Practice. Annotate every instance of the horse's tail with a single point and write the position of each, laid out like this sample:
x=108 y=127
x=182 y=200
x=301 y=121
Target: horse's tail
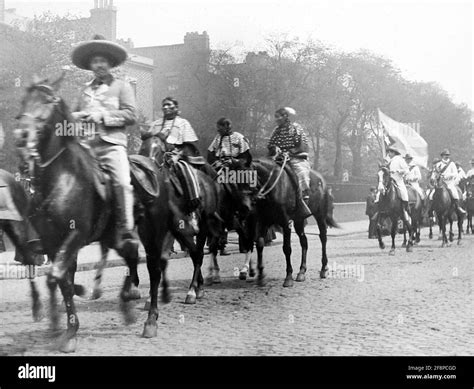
x=328 y=207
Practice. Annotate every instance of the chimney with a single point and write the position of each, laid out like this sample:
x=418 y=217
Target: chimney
x=104 y=19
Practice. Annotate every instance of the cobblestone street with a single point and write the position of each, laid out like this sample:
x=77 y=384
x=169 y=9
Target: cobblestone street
x=416 y=303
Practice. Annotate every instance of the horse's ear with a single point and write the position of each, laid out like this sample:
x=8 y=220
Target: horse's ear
x=57 y=84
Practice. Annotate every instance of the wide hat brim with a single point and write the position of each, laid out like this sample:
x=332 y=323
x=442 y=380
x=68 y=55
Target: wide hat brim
x=394 y=150
x=83 y=53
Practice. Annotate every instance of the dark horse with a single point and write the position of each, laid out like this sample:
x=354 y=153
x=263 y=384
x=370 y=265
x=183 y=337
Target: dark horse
x=445 y=209
x=69 y=211
x=390 y=205
x=469 y=185
x=165 y=218
x=16 y=230
x=276 y=204
x=416 y=206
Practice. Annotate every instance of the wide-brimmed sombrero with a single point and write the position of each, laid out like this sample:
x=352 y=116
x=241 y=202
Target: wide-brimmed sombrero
x=82 y=54
x=394 y=149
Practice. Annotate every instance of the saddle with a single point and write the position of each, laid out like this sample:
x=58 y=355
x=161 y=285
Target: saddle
x=144 y=174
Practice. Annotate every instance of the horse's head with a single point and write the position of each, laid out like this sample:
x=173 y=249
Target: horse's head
x=41 y=109
x=384 y=178
x=435 y=176
x=153 y=147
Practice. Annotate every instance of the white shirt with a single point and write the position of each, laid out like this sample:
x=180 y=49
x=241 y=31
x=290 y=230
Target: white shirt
x=398 y=167
x=450 y=174
x=414 y=174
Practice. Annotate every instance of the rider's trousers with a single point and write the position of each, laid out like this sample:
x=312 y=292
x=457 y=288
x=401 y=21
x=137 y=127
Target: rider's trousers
x=302 y=169
x=115 y=159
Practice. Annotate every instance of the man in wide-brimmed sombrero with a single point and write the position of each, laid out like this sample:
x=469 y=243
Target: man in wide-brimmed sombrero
x=449 y=174
x=109 y=103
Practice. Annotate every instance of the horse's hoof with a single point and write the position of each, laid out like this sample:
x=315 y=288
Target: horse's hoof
x=134 y=293
x=243 y=275
x=409 y=249
x=288 y=283
x=430 y=236
x=38 y=314
x=68 y=345
x=79 y=290
x=323 y=273
x=391 y=252
x=128 y=312
x=147 y=305
x=216 y=279
x=165 y=297
x=382 y=246
x=404 y=245
x=261 y=281
x=190 y=298
x=96 y=293
x=200 y=293
x=252 y=272
x=300 y=277
x=417 y=240
x=150 y=330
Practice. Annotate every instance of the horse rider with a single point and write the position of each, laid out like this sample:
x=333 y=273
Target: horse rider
x=398 y=169
x=431 y=189
x=289 y=138
x=449 y=174
x=470 y=172
x=460 y=178
x=414 y=176
x=228 y=149
x=180 y=139
x=109 y=103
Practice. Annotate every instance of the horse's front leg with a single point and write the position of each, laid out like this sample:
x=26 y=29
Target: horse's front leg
x=299 y=228
x=323 y=229
x=451 y=233
x=393 y=232
x=378 y=230
x=260 y=244
x=69 y=340
x=409 y=228
x=404 y=244
x=287 y=251
x=460 y=222
x=96 y=291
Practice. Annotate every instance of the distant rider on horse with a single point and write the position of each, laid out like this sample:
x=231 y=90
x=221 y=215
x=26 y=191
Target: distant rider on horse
x=470 y=172
x=398 y=169
x=449 y=174
x=229 y=147
x=413 y=177
x=109 y=103
x=289 y=138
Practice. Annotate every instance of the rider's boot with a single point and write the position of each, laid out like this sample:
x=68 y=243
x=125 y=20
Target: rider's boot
x=458 y=207
x=124 y=238
x=303 y=207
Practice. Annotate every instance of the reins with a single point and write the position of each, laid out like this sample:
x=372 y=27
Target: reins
x=263 y=190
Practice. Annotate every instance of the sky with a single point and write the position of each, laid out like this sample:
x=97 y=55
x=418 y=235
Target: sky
x=429 y=40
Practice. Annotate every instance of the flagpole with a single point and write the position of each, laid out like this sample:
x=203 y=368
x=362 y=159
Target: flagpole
x=380 y=134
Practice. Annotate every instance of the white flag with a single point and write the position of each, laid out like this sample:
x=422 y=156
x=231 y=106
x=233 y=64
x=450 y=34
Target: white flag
x=405 y=139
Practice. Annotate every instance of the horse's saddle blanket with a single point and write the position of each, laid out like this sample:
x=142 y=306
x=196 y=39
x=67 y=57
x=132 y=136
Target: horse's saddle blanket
x=184 y=178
